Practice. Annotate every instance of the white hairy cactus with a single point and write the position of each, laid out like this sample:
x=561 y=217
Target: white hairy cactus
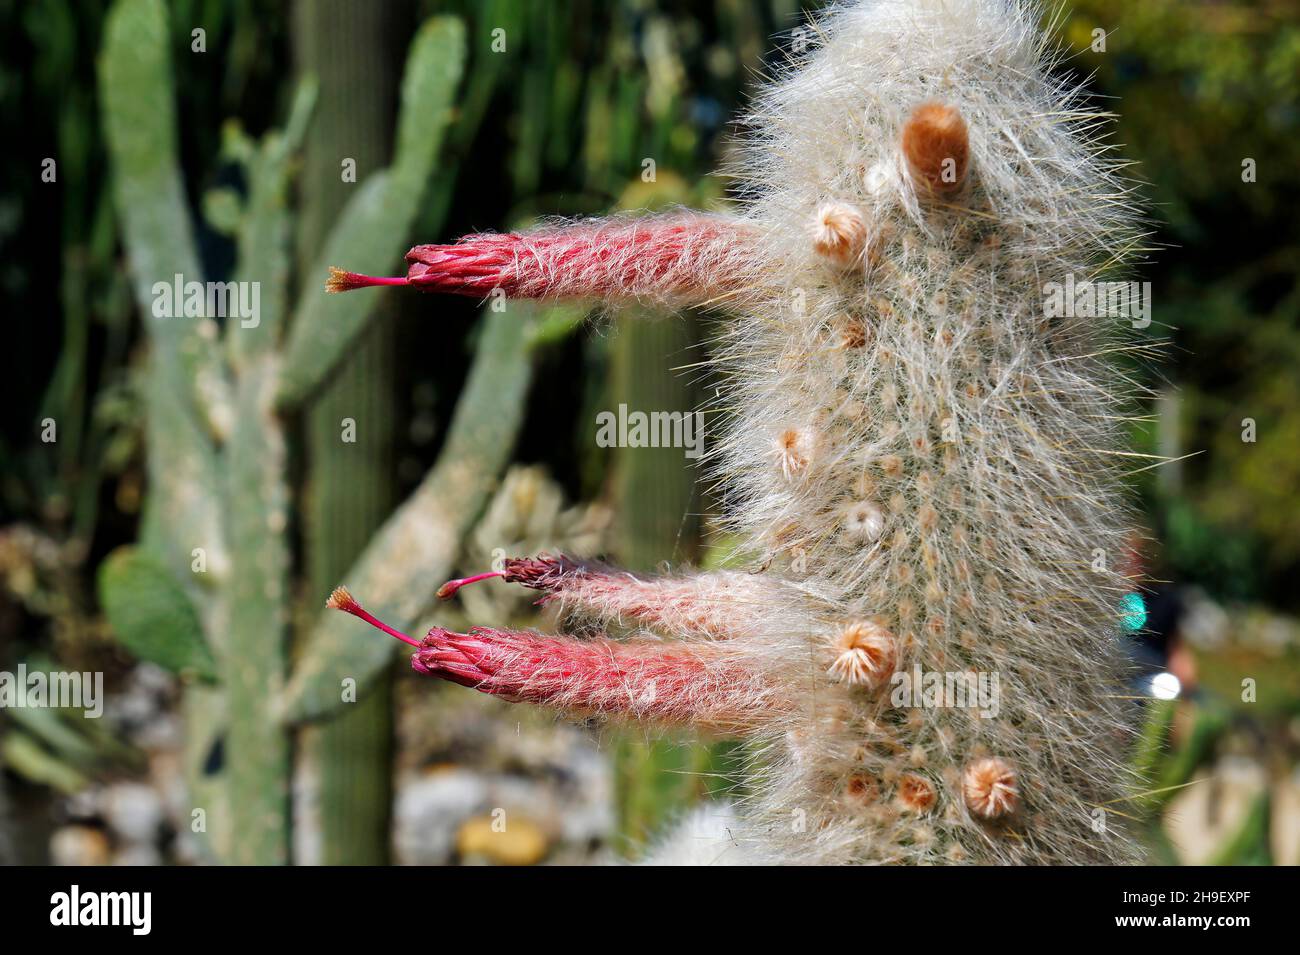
x=924 y=465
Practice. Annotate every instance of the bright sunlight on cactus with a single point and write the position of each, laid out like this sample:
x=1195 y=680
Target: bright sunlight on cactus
x=926 y=468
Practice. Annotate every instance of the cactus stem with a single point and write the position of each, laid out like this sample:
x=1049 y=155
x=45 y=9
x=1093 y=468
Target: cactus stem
x=448 y=590
x=341 y=599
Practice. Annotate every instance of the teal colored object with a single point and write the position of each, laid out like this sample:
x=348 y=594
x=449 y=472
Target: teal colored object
x=1132 y=612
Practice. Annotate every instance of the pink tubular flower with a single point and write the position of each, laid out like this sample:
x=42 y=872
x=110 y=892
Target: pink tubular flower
x=543 y=572
x=675 y=685
x=679 y=258
x=719 y=605
x=684 y=684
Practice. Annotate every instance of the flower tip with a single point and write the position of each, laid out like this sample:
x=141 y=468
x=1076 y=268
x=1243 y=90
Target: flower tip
x=449 y=589
x=341 y=599
x=341 y=280
x=338 y=281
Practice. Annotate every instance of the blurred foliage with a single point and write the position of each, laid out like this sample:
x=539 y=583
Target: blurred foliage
x=1206 y=91
x=152 y=615
x=1201 y=87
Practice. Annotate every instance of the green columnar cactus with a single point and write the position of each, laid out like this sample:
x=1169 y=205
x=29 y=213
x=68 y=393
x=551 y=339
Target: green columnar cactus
x=655 y=490
x=348 y=782
x=216 y=531
x=415 y=549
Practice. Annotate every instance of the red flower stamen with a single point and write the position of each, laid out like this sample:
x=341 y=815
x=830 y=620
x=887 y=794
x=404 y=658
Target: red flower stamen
x=341 y=599
x=448 y=590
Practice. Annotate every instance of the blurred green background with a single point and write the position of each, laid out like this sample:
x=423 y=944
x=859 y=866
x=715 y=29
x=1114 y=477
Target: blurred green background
x=211 y=137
